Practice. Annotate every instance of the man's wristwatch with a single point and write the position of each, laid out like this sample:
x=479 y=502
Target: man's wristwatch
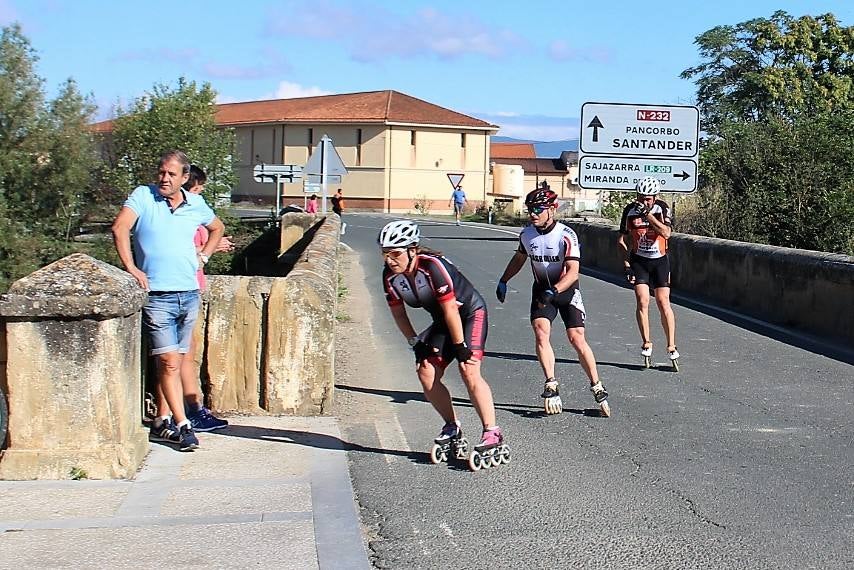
x=203 y=257
x=413 y=340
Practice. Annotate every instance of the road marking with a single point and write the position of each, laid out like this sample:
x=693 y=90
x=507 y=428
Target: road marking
x=391 y=437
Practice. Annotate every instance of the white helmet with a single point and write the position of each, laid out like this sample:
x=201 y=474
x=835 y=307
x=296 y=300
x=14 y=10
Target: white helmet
x=402 y=233
x=648 y=186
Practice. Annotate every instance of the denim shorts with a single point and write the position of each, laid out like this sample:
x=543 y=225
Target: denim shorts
x=169 y=318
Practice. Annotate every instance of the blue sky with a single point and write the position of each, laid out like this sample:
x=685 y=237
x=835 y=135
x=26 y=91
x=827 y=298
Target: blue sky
x=526 y=66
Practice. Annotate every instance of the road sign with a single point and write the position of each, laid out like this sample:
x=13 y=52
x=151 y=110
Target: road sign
x=455 y=179
x=325 y=160
x=639 y=130
x=272 y=173
x=623 y=172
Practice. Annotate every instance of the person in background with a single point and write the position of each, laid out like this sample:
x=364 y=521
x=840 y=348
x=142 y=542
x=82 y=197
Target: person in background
x=458 y=199
x=200 y=417
x=645 y=228
x=311 y=205
x=338 y=207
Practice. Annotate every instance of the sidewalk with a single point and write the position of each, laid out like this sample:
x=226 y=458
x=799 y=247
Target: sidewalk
x=267 y=492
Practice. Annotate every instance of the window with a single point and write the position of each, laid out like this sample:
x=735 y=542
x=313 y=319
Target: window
x=412 y=138
x=463 y=140
x=358 y=147
x=310 y=140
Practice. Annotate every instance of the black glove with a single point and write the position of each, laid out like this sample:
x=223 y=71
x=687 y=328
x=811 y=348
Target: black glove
x=630 y=275
x=463 y=352
x=547 y=296
x=501 y=291
x=641 y=209
x=422 y=351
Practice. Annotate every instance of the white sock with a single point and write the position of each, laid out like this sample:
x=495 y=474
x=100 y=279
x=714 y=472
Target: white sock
x=160 y=420
x=186 y=422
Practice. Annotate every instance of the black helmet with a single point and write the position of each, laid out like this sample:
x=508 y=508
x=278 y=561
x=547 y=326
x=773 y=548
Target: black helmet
x=541 y=197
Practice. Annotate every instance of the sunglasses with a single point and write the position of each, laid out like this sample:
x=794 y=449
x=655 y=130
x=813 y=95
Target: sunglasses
x=393 y=253
x=537 y=210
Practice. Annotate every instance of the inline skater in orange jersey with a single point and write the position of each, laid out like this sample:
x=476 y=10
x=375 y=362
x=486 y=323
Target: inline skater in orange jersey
x=646 y=223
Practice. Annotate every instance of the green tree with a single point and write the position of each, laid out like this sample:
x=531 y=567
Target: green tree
x=165 y=119
x=789 y=184
x=773 y=67
x=48 y=163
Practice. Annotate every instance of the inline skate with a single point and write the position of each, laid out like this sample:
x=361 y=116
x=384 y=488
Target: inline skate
x=450 y=441
x=551 y=397
x=646 y=353
x=490 y=452
x=601 y=397
x=674 y=358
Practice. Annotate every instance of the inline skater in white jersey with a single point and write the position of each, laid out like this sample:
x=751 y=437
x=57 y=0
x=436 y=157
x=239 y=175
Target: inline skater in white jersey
x=555 y=259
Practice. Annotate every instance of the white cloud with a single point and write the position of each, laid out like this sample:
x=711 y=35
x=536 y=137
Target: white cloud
x=533 y=127
x=373 y=33
x=288 y=90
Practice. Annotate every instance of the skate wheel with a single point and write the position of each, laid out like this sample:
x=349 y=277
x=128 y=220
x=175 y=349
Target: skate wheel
x=437 y=456
x=646 y=362
x=494 y=460
x=605 y=408
x=675 y=363
x=504 y=457
x=475 y=461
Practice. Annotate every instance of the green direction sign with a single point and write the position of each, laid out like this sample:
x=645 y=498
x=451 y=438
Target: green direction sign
x=623 y=172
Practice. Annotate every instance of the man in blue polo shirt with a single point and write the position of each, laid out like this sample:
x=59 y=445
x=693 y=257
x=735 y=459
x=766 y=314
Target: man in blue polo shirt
x=164 y=218
x=458 y=198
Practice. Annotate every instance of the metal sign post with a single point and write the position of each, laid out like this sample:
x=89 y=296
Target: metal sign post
x=277 y=174
x=325 y=163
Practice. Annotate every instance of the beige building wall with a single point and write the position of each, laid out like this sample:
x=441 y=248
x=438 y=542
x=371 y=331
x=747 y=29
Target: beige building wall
x=386 y=171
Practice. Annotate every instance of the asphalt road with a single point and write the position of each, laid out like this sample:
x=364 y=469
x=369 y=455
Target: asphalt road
x=742 y=459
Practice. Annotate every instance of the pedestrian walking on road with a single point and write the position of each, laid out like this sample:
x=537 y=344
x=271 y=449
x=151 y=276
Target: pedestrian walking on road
x=458 y=199
x=164 y=261
x=555 y=258
x=419 y=277
x=338 y=207
x=647 y=223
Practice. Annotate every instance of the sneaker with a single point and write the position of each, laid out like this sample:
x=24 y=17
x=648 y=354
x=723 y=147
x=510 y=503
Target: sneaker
x=204 y=420
x=449 y=431
x=166 y=431
x=187 y=439
x=489 y=439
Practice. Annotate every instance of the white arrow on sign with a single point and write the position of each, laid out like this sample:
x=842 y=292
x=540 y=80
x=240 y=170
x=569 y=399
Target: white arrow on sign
x=639 y=130
x=623 y=172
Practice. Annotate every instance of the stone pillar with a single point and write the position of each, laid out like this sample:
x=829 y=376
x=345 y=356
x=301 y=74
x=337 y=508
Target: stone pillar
x=74 y=372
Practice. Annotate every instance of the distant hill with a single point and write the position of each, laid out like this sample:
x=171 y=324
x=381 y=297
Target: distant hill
x=544 y=149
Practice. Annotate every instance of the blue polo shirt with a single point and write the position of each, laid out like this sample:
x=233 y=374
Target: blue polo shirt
x=163 y=240
x=459 y=196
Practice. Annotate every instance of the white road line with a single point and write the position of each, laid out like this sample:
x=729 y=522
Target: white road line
x=391 y=437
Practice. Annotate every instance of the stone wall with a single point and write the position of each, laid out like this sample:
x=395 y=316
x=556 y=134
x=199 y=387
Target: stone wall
x=808 y=290
x=73 y=333
x=268 y=342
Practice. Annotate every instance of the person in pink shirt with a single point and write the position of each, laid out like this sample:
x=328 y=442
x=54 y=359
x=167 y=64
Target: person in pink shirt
x=311 y=206
x=200 y=417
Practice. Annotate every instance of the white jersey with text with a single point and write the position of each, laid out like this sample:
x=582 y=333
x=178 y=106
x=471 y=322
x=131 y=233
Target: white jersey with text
x=548 y=251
